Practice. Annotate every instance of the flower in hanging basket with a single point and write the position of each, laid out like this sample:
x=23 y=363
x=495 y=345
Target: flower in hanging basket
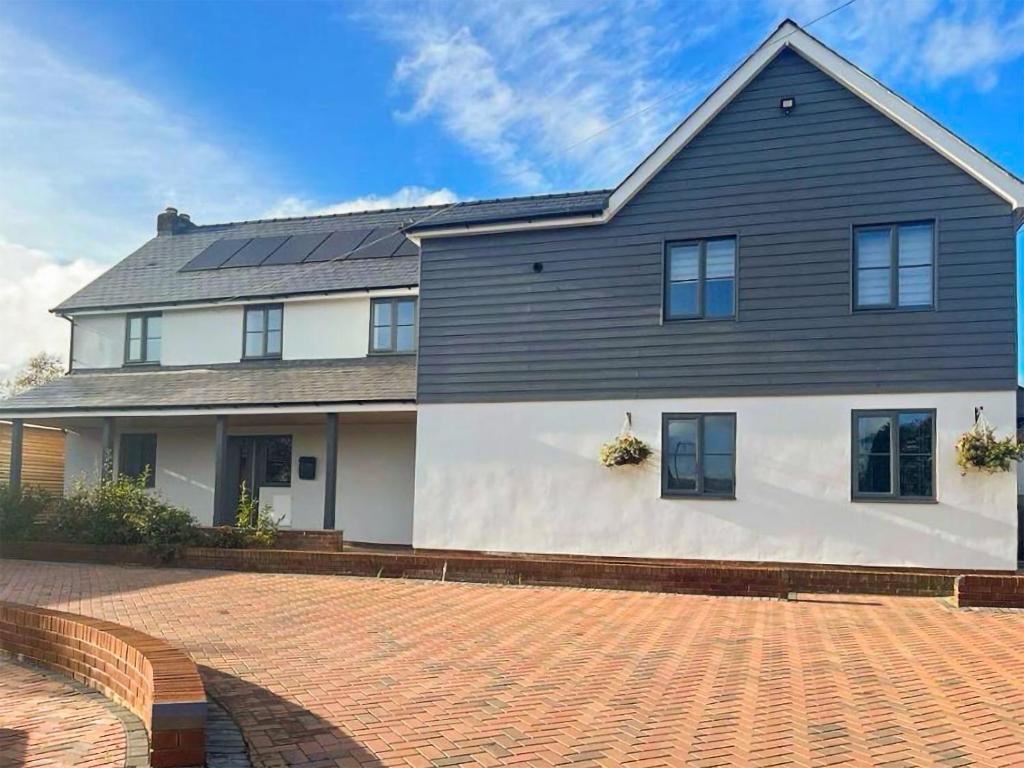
x=979 y=448
x=625 y=449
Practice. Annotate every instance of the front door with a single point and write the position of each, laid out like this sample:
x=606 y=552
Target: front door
x=258 y=461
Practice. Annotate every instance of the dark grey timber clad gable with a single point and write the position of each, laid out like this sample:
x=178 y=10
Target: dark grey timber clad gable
x=791 y=188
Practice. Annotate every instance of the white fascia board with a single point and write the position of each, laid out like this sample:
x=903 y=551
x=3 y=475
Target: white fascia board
x=283 y=299
x=788 y=35
x=214 y=411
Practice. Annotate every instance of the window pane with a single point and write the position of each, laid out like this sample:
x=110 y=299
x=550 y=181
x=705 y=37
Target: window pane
x=873 y=287
x=916 y=476
x=273 y=342
x=382 y=338
x=681 y=455
x=138 y=454
x=135 y=349
x=873 y=434
x=153 y=327
x=274 y=319
x=718 y=434
x=382 y=313
x=254 y=320
x=915 y=245
x=253 y=344
x=718 y=298
x=682 y=299
x=684 y=262
x=405 y=340
x=721 y=258
x=153 y=351
x=135 y=328
x=718 y=474
x=406 y=312
x=873 y=474
x=915 y=286
x=873 y=248
x=278 y=469
x=915 y=433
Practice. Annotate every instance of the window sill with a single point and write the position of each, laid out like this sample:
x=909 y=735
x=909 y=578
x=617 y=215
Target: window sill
x=890 y=310
x=140 y=364
x=697 y=496
x=386 y=353
x=890 y=500
x=698 y=319
x=252 y=358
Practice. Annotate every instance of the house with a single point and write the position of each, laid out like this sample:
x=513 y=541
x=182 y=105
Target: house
x=799 y=300
x=42 y=454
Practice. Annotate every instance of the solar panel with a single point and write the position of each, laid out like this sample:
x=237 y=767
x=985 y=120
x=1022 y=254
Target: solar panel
x=295 y=249
x=407 y=248
x=255 y=251
x=215 y=254
x=383 y=241
x=339 y=245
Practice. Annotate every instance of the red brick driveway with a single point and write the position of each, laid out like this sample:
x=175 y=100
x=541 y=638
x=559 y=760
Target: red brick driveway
x=334 y=671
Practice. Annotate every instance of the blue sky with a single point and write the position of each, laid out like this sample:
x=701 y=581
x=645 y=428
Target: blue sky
x=109 y=111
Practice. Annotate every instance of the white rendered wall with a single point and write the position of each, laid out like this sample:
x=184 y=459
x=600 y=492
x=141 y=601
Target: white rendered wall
x=326 y=329
x=201 y=336
x=376 y=482
x=99 y=341
x=83 y=451
x=524 y=477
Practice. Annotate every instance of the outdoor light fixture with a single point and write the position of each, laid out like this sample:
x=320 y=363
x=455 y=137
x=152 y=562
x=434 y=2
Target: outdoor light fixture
x=786 y=104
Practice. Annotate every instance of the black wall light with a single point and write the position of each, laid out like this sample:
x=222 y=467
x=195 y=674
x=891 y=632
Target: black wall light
x=786 y=104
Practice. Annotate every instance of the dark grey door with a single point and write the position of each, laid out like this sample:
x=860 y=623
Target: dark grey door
x=258 y=461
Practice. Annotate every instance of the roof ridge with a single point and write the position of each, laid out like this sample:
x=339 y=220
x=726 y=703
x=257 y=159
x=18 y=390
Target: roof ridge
x=460 y=203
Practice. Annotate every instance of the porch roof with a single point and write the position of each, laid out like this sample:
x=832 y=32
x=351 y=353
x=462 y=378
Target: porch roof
x=274 y=385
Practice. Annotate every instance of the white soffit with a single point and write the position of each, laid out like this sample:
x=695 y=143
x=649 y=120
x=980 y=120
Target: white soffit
x=788 y=35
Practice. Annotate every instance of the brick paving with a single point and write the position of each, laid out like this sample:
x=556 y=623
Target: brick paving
x=335 y=671
x=47 y=723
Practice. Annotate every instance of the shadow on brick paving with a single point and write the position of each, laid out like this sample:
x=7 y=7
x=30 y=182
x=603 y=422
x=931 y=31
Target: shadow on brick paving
x=279 y=733
x=12 y=747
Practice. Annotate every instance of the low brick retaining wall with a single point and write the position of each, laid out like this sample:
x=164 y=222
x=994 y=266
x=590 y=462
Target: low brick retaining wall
x=690 y=577
x=977 y=591
x=157 y=682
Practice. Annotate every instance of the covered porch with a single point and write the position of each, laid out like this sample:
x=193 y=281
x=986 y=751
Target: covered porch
x=343 y=465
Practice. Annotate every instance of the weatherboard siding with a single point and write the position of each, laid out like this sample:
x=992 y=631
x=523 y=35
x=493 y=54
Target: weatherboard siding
x=790 y=188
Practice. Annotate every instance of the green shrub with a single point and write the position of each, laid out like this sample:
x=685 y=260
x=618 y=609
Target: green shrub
x=255 y=526
x=625 y=449
x=123 y=511
x=19 y=510
x=979 y=448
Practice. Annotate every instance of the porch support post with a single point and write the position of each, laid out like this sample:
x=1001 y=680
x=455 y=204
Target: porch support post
x=220 y=473
x=330 y=470
x=107 y=467
x=17 y=446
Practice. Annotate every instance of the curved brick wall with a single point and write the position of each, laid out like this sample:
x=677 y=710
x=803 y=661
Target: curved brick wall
x=154 y=680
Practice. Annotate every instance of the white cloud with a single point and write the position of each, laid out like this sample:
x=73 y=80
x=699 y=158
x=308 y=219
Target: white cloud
x=406 y=197
x=919 y=41
x=33 y=282
x=524 y=85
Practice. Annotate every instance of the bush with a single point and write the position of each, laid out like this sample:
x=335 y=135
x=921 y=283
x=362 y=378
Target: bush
x=123 y=511
x=255 y=526
x=19 y=510
x=625 y=449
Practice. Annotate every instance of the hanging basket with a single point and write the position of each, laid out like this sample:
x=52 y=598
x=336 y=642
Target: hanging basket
x=979 y=449
x=625 y=449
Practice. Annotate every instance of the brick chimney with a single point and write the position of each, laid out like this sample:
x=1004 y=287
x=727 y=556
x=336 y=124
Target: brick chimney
x=170 y=222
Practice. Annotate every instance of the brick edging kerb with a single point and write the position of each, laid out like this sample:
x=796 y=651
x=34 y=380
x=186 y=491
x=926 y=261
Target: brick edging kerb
x=148 y=676
x=983 y=591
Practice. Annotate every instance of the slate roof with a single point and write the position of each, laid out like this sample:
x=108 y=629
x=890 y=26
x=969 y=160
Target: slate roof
x=370 y=379
x=151 y=275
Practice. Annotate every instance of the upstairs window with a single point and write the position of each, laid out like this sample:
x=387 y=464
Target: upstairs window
x=393 y=326
x=894 y=265
x=894 y=455
x=262 y=331
x=700 y=279
x=698 y=453
x=142 y=343
x=138 y=457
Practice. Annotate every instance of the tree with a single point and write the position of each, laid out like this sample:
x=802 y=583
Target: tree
x=40 y=368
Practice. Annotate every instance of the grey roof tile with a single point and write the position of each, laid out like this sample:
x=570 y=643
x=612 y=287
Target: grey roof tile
x=151 y=275
x=370 y=379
